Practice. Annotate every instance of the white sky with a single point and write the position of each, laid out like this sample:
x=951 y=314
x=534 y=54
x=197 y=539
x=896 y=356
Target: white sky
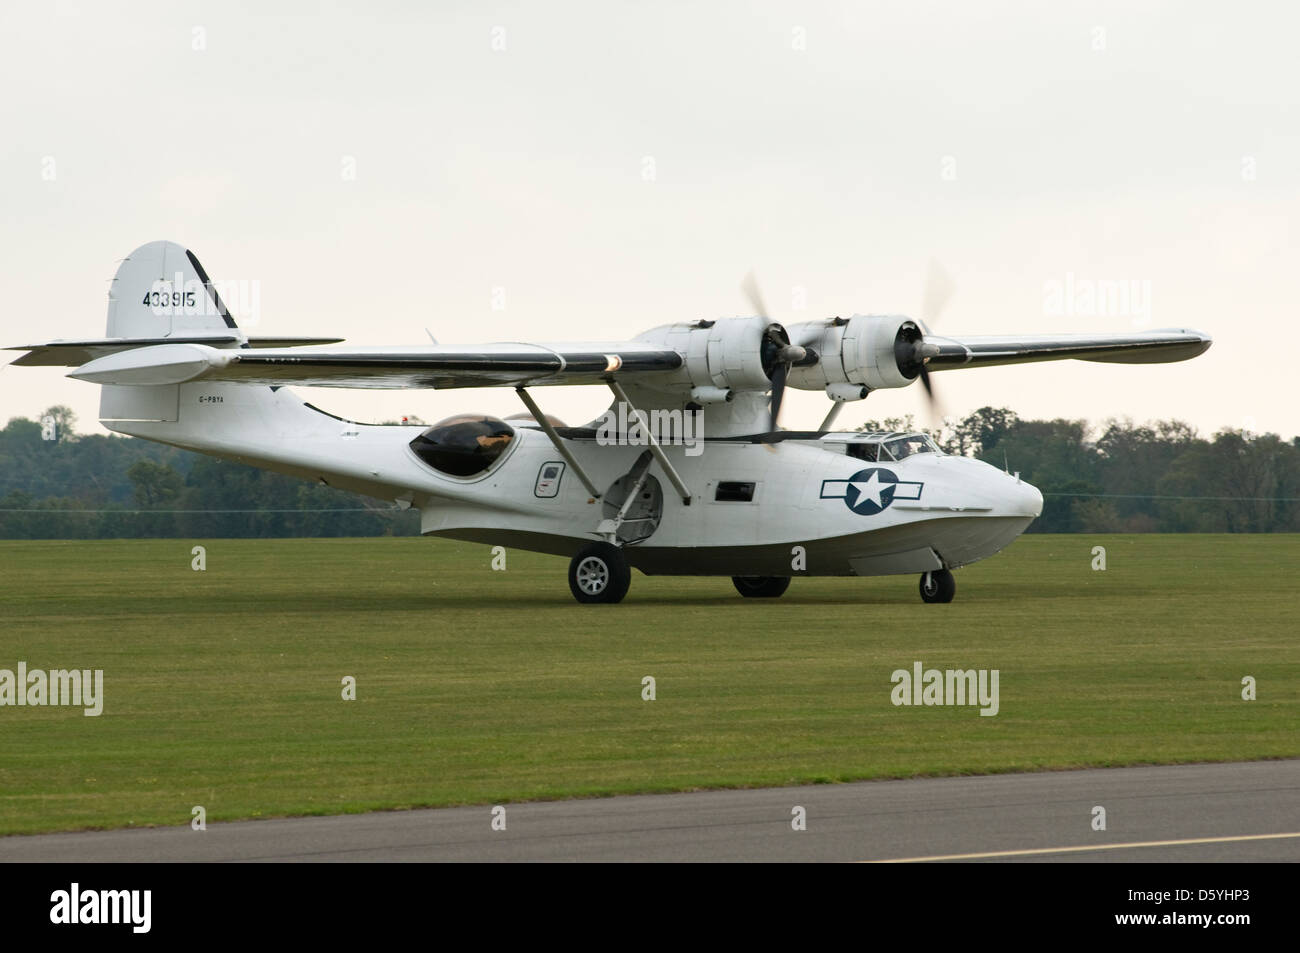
x=522 y=169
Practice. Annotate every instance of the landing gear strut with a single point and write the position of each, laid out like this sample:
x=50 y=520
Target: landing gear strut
x=937 y=586
x=761 y=587
x=599 y=573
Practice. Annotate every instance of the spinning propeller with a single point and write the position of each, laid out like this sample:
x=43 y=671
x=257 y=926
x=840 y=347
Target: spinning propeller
x=779 y=355
x=935 y=296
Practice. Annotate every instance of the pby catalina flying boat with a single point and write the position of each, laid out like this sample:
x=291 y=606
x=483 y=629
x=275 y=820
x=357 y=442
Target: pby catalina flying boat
x=687 y=473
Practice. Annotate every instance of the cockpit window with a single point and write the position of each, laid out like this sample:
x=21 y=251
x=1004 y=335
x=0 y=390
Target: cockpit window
x=463 y=445
x=864 y=451
x=901 y=447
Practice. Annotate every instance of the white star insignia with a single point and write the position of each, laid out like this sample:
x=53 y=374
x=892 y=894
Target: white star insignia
x=870 y=489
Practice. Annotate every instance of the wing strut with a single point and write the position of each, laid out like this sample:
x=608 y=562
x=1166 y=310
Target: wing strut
x=836 y=407
x=657 y=450
x=555 y=439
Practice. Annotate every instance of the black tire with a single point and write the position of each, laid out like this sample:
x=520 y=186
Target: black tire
x=599 y=573
x=761 y=587
x=937 y=586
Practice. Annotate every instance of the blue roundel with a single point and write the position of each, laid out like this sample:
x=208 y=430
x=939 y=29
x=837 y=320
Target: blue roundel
x=870 y=491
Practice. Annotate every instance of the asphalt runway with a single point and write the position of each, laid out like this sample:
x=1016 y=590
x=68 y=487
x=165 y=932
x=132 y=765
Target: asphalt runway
x=1209 y=812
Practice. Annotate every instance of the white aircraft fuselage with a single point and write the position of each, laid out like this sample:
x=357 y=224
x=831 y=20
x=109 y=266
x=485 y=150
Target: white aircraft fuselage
x=931 y=511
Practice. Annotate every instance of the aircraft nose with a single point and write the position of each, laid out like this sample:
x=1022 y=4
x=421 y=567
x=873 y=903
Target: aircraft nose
x=1026 y=499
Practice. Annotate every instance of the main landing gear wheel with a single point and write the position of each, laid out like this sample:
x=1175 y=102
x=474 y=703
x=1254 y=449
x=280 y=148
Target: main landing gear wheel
x=599 y=573
x=937 y=586
x=761 y=587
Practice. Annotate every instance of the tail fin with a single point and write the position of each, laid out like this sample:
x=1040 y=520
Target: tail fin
x=162 y=296
x=161 y=290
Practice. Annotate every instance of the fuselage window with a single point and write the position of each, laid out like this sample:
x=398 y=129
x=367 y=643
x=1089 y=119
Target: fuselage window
x=732 y=492
x=464 y=445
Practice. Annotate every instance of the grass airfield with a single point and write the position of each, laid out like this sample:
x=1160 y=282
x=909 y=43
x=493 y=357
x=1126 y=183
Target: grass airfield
x=223 y=688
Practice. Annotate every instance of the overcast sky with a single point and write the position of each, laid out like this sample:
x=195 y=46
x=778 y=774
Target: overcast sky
x=380 y=168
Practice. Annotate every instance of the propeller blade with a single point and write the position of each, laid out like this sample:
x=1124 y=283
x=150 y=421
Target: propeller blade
x=938 y=290
x=755 y=297
x=936 y=294
x=779 y=353
x=778 y=392
x=933 y=404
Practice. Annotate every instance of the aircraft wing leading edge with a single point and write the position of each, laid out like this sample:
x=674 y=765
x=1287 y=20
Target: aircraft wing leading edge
x=1139 y=347
x=381 y=368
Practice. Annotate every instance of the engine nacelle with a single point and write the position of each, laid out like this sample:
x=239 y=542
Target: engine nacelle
x=730 y=354
x=874 y=350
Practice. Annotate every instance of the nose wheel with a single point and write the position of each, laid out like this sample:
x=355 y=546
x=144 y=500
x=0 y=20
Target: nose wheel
x=599 y=573
x=937 y=586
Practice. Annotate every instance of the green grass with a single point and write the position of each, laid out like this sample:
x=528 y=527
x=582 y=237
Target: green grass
x=222 y=688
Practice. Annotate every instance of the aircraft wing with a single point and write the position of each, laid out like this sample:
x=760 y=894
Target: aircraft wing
x=217 y=358
x=76 y=353
x=382 y=368
x=1139 y=347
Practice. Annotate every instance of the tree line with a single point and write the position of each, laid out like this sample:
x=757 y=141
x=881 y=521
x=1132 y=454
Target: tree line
x=1123 y=477
x=57 y=484
x=1119 y=477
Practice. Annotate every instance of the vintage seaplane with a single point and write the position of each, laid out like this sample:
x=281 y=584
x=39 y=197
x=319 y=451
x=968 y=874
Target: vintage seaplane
x=687 y=473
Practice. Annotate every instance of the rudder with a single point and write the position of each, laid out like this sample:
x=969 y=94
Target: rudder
x=160 y=290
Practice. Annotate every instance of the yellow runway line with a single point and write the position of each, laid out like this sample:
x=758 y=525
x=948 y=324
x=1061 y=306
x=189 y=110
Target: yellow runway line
x=1081 y=849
